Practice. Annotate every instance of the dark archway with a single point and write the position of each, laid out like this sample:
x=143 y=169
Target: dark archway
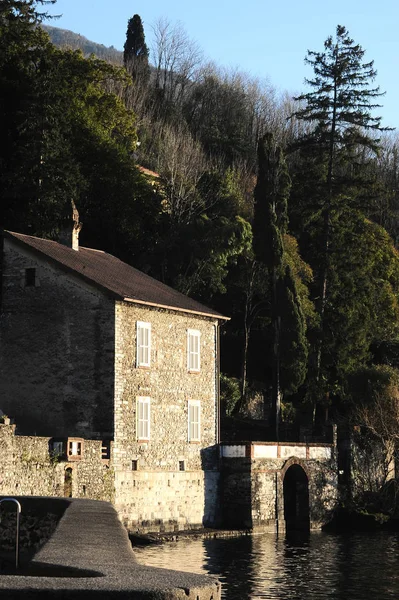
x=68 y=482
x=296 y=499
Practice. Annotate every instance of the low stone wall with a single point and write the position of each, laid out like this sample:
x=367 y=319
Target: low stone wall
x=29 y=468
x=166 y=501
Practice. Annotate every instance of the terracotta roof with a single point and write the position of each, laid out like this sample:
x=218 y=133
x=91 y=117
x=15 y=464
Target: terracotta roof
x=114 y=276
x=148 y=172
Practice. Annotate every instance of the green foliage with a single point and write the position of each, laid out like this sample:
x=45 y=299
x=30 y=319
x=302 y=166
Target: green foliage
x=342 y=247
x=208 y=248
x=270 y=224
x=363 y=299
x=303 y=276
x=368 y=382
x=271 y=192
x=230 y=393
x=68 y=137
x=218 y=115
x=293 y=342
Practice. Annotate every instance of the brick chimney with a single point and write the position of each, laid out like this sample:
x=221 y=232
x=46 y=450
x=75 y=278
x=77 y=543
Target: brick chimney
x=69 y=235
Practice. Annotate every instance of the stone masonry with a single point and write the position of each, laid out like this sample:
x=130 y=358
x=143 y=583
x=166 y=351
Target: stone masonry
x=68 y=369
x=29 y=467
x=253 y=482
x=56 y=351
x=174 y=481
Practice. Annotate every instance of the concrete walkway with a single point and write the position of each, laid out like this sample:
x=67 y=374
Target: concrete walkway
x=90 y=538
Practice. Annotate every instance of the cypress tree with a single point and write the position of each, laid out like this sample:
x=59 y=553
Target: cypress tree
x=135 y=50
x=270 y=224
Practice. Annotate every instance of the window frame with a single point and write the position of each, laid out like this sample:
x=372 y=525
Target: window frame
x=193 y=423
x=193 y=356
x=143 y=423
x=141 y=348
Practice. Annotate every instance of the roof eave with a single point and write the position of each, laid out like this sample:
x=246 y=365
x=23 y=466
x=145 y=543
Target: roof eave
x=177 y=309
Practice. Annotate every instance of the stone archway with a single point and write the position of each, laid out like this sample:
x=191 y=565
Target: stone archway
x=296 y=498
x=68 y=482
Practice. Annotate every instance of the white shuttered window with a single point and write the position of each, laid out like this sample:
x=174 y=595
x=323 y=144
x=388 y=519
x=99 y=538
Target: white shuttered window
x=193 y=350
x=143 y=418
x=194 y=421
x=143 y=350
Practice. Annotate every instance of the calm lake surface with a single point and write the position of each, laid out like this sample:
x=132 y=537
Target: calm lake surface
x=318 y=567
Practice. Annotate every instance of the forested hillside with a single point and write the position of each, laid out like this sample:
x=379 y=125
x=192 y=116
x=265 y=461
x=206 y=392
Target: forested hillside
x=63 y=38
x=282 y=213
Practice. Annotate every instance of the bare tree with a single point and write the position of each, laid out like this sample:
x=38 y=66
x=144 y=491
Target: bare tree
x=176 y=58
x=181 y=163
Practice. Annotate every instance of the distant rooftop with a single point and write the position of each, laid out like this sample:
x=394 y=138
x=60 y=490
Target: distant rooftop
x=113 y=276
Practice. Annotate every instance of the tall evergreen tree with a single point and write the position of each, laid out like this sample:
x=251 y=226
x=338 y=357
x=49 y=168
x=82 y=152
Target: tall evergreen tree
x=135 y=50
x=339 y=110
x=270 y=224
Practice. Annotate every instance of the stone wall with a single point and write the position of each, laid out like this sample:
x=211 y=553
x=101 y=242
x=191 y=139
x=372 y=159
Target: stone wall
x=167 y=501
x=68 y=369
x=252 y=483
x=160 y=482
x=29 y=468
x=56 y=350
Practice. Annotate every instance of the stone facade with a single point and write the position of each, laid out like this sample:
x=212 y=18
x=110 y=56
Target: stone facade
x=167 y=486
x=253 y=490
x=68 y=356
x=56 y=350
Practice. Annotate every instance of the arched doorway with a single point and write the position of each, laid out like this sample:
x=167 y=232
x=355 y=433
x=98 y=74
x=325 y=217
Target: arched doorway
x=68 y=482
x=296 y=499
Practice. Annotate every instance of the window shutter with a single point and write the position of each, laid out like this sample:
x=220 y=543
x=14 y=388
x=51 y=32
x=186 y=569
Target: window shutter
x=193 y=350
x=143 y=350
x=143 y=418
x=194 y=429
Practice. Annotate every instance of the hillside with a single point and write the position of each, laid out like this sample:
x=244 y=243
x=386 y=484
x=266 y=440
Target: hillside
x=64 y=38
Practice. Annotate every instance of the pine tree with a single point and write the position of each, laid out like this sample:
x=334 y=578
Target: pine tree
x=135 y=53
x=339 y=110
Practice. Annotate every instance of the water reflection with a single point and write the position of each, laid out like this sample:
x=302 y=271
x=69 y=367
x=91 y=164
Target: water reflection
x=316 y=567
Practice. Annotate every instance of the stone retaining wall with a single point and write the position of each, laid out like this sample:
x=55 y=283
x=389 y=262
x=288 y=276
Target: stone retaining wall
x=167 y=501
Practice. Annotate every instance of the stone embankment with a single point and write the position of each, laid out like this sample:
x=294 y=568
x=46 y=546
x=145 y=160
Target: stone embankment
x=92 y=557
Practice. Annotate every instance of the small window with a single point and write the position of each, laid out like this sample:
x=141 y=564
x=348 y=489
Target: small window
x=143 y=418
x=57 y=449
x=193 y=350
x=106 y=449
x=194 y=425
x=74 y=449
x=30 y=277
x=135 y=464
x=143 y=345
x=182 y=466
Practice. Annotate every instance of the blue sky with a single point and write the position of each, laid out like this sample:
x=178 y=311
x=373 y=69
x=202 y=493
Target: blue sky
x=266 y=38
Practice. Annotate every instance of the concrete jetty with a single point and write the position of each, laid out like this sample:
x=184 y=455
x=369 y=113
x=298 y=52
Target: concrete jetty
x=92 y=556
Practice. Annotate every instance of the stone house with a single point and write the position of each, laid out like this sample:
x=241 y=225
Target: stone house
x=92 y=349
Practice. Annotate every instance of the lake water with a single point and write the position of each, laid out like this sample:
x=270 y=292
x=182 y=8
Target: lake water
x=318 y=567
